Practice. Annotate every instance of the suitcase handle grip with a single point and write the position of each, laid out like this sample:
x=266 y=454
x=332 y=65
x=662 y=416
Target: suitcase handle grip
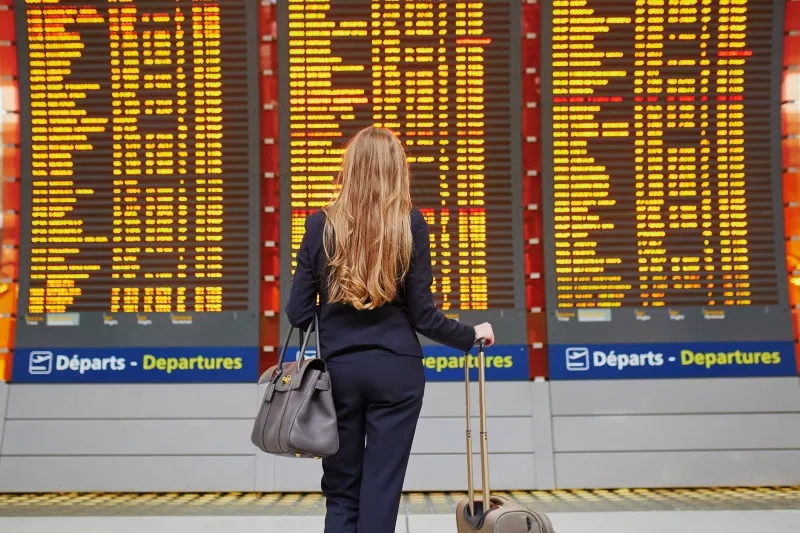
x=486 y=503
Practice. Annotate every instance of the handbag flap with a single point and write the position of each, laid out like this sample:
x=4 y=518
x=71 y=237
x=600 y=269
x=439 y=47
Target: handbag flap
x=292 y=378
x=266 y=377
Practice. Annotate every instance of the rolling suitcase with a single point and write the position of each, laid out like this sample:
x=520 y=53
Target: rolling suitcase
x=502 y=516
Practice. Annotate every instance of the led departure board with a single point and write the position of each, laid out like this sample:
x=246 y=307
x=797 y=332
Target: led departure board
x=662 y=171
x=442 y=75
x=139 y=166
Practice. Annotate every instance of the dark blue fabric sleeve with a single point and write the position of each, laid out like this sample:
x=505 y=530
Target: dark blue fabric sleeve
x=427 y=319
x=303 y=298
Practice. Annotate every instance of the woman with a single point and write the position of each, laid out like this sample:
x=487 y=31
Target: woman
x=367 y=256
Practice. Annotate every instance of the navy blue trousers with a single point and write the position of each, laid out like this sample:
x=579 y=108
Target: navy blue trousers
x=378 y=397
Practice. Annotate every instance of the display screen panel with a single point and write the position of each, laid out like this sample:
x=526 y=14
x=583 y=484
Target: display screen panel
x=443 y=76
x=662 y=172
x=139 y=173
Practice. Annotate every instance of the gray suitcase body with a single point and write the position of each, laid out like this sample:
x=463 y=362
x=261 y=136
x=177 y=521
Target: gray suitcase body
x=504 y=516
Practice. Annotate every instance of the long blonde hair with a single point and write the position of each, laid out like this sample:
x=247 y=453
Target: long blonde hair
x=367 y=237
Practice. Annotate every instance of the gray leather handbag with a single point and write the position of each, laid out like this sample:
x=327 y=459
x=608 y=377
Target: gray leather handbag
x=297 y=417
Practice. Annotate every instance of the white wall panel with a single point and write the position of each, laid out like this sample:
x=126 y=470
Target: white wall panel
x=3 y=406
x=541 y=435
x=448 y=435
x=296 y=475
x=425 y=472
x=677 y=432
x=675 y=396
x=678 y=469
x=123 y=474
x=542 y=429
x=502 y=399
x=128 y=437
x=651 y=433
x=449 y=472
x=132 y=401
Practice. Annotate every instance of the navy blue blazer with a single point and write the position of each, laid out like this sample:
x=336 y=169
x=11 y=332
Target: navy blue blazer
x=390 y=328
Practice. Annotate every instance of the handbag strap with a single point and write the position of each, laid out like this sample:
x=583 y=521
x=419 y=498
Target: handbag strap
x=301 y=355
x=316 y=329
x=304 y=337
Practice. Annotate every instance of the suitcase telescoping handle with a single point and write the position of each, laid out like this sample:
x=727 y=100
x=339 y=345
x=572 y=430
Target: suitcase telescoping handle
x=486 y=504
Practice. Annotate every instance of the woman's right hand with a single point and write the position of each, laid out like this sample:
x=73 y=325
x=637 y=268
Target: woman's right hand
x=484 y=331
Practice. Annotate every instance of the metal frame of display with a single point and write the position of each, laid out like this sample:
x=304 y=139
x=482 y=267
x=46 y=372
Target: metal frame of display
x=9 y=175
x=270 y=188
x=790 y=140
x=532 y=189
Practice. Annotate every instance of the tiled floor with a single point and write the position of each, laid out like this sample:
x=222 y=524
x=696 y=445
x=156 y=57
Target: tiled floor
x=775 y=521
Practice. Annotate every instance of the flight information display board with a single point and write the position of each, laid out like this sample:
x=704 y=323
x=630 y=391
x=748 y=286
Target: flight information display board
x=661 y=142
x=139 y=175
x=442 y=75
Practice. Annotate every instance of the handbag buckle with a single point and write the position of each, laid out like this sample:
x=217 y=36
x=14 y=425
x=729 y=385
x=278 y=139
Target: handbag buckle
x=286 y=379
